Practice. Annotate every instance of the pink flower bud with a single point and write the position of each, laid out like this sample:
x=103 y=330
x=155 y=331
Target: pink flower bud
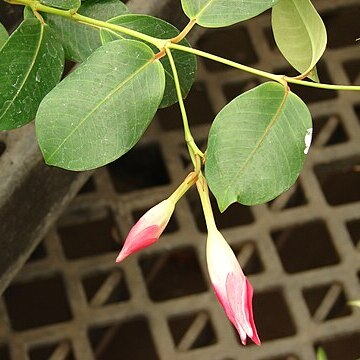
x=231 y=286
x=148 y=229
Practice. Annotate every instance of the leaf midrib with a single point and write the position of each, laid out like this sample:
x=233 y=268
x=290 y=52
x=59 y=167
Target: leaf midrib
x=308 y=34
x=96 y=107
x=267 y=130
x=28 y=72
x=197 y=16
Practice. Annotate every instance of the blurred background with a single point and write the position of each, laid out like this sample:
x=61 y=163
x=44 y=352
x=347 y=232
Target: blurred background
x=65 y=298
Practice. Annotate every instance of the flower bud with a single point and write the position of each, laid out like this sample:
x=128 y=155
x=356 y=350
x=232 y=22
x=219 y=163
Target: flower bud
x=148 y=229
x=231 y=286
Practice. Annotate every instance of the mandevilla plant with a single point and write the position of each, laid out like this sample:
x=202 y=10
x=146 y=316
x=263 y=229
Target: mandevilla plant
x=132 y=64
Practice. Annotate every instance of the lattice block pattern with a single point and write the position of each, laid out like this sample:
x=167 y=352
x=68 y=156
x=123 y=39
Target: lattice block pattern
x=301 y=251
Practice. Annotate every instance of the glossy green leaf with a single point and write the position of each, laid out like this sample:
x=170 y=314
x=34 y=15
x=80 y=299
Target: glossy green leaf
x=31 y=64
x=80 y=40
x=3 y=35
x=100 y=111
x=257 y=146
x=219 y=13
x=299 y=33
x=62 y=4
x=185 y=63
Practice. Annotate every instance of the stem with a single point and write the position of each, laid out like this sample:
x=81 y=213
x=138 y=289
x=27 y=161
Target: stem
x=35 y=5
x=193 y=149
x=322 y=86
x=184 y=32
x=203 y=191
x=278 y=78
x=189 y=181
x=225 y=61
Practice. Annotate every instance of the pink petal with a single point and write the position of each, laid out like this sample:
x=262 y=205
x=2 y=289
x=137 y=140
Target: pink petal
x=141 y=240
x=255 y=337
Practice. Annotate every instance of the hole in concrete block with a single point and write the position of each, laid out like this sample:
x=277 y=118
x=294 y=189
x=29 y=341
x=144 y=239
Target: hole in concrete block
x=354 y=231
x=88 y=187
x=326 y=302
x=192 y=331
x=2 y=147
x=249 y=258
x=329 y=130
x=103 y=288
x=142 y=167
x=294 y=197
x=272 y=317
x=235 y=215
x=341 y=348
x=173 y=274
x=127 y=340
x=198 y=107
x=171 y=227
x=342 y=26
x=352 y=69
x=232 y=90
x=62 y=350
x=89 y=238
x=39 y=253
x=340 y=181
x=304 y=247
x=4 y=352
x=226 y=44
x=37 y=303
x=357 y=111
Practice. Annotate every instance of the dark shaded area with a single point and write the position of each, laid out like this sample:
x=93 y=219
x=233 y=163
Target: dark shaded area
x=198 y=108
x=180 y=325
x=92 y=283
x=235 y=215
x=354 y=231
x=2 y=147
x=225 y=43
x=316 y=295
x=173 y=274
x=342 y=348
x=253 y=264
x=232 y=90
x=340 y=181
x=127 y=340
x=45 y=352
x=272 y=317
x=142 y=167
x=37 y=303
x=39 y=253
x=305 y=247
x=89 y=238
x=342 y=25
x=323 y=123
x=4 y=352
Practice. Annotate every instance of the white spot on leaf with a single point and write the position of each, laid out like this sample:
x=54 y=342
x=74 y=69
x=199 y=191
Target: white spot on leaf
x=308 y=138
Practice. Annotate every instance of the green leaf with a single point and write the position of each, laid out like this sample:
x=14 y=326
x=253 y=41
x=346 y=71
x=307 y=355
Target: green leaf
x=185 y=63
x=31 y=64
x=62 y=4
x=219 y=13
x=100 y=111
x=3 y=35
x=299 y=33
x=80 y=40
x=321 y=354
x=257 y=146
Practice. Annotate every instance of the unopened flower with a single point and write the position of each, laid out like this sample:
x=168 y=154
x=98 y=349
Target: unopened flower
x=148 y=229
x=231 y=286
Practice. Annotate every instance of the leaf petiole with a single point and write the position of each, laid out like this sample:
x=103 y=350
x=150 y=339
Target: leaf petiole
x=193 y=149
